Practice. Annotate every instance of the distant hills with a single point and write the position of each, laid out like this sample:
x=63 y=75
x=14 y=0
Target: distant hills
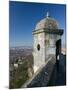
x=21 y=47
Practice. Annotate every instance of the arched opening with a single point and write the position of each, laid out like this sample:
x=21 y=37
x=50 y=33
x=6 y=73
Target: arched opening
x=38 y=47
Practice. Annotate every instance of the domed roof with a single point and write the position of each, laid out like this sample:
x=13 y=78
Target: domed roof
x=48 y=23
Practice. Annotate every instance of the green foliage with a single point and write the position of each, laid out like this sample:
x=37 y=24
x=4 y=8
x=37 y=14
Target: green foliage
x=20 y=74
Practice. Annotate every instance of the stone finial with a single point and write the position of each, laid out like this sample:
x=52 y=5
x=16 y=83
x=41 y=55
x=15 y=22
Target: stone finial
x=47 y=15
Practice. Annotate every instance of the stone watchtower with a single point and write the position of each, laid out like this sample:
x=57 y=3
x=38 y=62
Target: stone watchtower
x=47 y=41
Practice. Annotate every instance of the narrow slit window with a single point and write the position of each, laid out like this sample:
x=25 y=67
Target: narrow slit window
x=38 y=47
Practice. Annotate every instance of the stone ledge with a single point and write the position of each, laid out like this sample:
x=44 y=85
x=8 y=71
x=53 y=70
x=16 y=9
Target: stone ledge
x=51 y=31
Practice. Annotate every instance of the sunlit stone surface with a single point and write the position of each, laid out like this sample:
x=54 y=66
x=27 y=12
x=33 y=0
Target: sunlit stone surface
x=45 y=36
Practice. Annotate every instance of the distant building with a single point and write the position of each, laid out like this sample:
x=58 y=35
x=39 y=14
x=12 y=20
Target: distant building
x=47 y=41
x=15 y=65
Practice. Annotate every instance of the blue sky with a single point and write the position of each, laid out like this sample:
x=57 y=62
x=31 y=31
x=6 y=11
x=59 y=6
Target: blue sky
x=23 y=18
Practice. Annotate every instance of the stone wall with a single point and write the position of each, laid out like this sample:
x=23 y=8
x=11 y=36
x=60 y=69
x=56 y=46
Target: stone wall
x=42 y=76
x=39 y=55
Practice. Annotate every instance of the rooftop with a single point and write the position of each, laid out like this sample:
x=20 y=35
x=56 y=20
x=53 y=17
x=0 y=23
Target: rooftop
x=47 y=22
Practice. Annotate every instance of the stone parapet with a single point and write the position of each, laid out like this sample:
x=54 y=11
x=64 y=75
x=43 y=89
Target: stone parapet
x=42 y=76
